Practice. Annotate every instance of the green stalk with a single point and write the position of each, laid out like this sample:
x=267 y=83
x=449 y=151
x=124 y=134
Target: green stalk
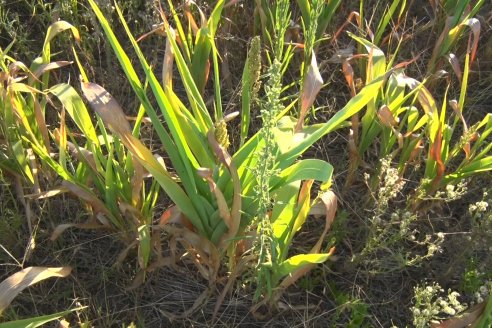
x=265 y=168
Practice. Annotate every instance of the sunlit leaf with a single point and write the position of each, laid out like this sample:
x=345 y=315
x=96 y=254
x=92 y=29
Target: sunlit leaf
x=310 y=88
x=106 y=107
x=16 y=283
x=37 y=321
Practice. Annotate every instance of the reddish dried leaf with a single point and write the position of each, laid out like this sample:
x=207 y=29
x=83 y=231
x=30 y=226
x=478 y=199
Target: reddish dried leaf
x=348 y=72
x=38 y=114
x=386 y=117
x=435 y=154
x=474 y=25
x=455 y=64
x=350 y=17
x=416 y=150
x=191 y=19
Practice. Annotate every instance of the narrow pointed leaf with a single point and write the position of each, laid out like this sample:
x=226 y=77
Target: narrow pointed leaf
x=37 y=321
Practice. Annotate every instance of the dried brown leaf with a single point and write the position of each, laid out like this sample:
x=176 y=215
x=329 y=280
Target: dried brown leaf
x=459 y=112
x=354 y=160
x=47 y=194
x=474 y=25
x=435 y=154
x=329 y=200
x=16 y=283
x=97 y=205
x=103 y=103
x=386 y=117
x=50 y=66
x=91 y=224
x=63 y=324
x=311 y=86
x=350 y=17
x=455 y=64
x=167 y=62
x=348 y=72
x=39 y=116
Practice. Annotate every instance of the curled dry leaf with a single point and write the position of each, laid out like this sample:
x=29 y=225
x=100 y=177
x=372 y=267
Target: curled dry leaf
x=59 y=27
x=203 y=253
x=350 y=17
x=435 y=154
x=97 y=205
x=329 y=199
x=49 y=66
x=174 y=216
x=167 y=62
x=311 y=86
x=46 y=194
x=459 y=112
x=348 y=72
x=91 y=224
x=386 y=117
x=103 y=103
x=474 y=25
x=455 y=64
x=16 y=283
x=354 y=160
x=106 y=107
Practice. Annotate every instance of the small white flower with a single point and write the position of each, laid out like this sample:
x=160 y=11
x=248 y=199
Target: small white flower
x=482 y=206
x=449 y=310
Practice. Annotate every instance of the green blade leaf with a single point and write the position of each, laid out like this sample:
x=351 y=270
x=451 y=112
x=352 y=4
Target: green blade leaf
x=37 y=321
